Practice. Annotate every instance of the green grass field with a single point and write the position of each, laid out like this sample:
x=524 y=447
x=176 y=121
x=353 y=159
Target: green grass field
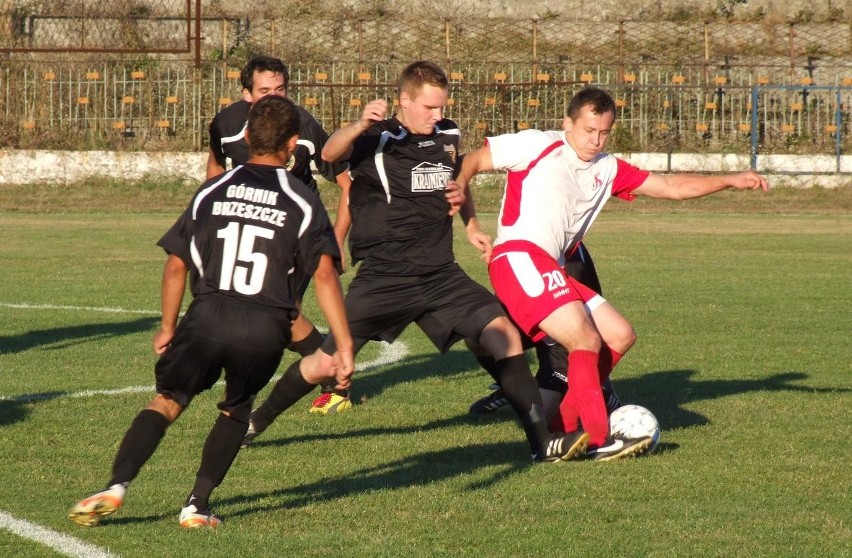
x=744 y=315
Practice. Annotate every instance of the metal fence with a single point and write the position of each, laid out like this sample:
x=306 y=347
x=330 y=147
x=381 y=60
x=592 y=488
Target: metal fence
x=151 y=75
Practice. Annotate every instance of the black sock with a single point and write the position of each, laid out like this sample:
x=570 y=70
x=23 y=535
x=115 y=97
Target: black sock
x=309 y=344
x=139 y=443
x=287 y=390
x=220 y=449
x=611 y=398
x=489 y=365
x=513 y=374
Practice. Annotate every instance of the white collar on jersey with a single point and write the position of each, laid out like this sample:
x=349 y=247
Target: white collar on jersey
x=574 y=161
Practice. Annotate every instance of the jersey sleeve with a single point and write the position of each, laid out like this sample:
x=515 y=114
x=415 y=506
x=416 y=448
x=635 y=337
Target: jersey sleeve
x=318 y=240
x=627 y=179
x=177 y=239
x=318 y=136
x=365 y=146
x=516 y=151
x=215 y=134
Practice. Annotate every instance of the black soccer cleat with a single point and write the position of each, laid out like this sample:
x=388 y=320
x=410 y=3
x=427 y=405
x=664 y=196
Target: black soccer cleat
x=490 y=403
x=563 y=447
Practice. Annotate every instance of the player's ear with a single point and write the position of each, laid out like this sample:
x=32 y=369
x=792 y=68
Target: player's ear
x=291 y=143
x=404 y=99
x=567 y=124
x=246 y=135
x=247 y=95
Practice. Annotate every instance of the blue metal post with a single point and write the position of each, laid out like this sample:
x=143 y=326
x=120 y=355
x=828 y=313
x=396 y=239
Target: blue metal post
x=754 y=131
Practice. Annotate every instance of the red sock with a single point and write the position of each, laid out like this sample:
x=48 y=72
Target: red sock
x=584 y=382
x=607 y=359
x=567 y=417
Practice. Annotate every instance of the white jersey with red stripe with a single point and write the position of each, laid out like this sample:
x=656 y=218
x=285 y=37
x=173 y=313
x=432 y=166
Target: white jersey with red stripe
x=551 y=196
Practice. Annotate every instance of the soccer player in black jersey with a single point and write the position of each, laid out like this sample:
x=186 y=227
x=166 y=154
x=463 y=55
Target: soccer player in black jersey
x=247 y=241
x=402 y=233
x=261 y=76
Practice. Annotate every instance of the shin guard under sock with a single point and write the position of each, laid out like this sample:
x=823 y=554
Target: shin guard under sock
x=585 y=387
x=139 y=443
x=513 y=374
x=220 y=449
x=291 y=387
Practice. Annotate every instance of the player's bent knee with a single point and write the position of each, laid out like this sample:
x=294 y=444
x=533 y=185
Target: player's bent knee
x=166 y=406
x=501 y=338
x=241 y=413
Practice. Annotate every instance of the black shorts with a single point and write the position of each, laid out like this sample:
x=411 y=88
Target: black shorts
x=245 y=340
x=447 y=305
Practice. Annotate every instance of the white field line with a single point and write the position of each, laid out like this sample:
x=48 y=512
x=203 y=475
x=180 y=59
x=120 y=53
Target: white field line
x=69 y=546
x=61 y=543
x=388 y=354
x=77 y=308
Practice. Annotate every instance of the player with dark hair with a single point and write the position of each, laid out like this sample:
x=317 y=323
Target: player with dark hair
x=262 y=76
x=402 y=233
x=247 y=240
x=557 y=182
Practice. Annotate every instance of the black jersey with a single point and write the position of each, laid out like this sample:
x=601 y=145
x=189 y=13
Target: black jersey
x=227 y=141
x=254 y=234
x=400 y=221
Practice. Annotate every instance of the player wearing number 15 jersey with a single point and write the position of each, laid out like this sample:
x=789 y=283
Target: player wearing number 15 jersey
x=247 y=241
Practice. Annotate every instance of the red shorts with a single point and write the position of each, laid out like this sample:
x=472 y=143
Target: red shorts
x=531 y=285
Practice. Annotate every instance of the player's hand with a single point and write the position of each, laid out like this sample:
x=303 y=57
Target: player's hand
x=343 y=365
x=454 y=193
x=749 y=180
x=481 y=241
x=162 y=340
x=374 y=111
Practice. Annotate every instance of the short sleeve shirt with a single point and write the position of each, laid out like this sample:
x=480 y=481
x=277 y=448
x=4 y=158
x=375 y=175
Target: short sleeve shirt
x=552 y=197
x=255 y=233
x=400 y=221
x=228 y=144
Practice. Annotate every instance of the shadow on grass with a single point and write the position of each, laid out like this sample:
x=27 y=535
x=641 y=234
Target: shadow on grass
x=420 y=469
x=61 y=337
x=15 y=409
x=666 y=392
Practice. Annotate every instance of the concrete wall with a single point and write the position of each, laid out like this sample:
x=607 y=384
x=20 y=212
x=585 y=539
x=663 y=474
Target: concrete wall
x=69 y=167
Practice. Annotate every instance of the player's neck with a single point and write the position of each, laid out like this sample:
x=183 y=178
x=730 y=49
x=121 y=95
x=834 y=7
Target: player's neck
x=278 y=159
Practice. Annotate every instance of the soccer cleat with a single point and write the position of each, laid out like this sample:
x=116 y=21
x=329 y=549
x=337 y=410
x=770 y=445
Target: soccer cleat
x=563 y=447
x=497 y=400
x=330 y=402
x=90 y=510
x=490 y=403
x=251 y=434
x=192 y=518
x=618 y=448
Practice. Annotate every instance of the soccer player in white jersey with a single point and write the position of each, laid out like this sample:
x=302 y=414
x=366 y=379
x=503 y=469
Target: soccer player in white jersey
x=557 y=182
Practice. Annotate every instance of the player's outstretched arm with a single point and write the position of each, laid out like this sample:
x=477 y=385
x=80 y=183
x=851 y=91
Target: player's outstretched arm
x=339 y=145
x=330 y=298
x=685 y=186
x=174 y=284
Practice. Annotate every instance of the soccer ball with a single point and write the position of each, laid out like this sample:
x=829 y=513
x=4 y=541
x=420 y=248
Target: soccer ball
x=634 y=421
